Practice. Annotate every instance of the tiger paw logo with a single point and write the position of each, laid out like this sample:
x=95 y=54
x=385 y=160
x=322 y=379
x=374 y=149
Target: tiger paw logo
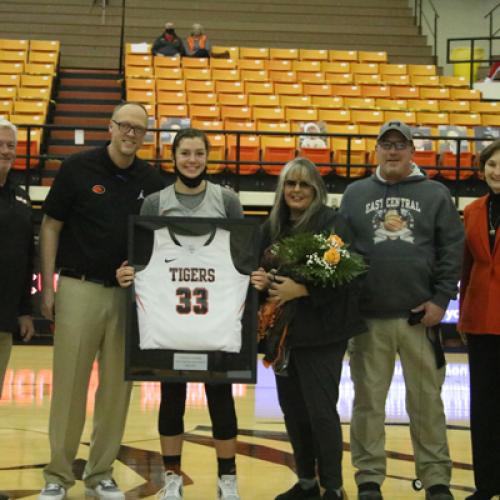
x=98 y=189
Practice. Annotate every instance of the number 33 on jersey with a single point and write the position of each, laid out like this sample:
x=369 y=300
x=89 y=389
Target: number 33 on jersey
x=190 y=296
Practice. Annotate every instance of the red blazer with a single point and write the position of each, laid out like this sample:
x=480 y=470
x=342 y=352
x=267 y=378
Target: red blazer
x=480 y=283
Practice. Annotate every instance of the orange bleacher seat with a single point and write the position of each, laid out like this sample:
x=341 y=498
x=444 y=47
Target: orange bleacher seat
x=466 y=119
x=453 y=81
x=10 y=80
x=375 y=91
x=241 y=113
x=360 y=103
x=234 y=52
x=396 y=80
x=313 y=54
x=334 y=115
x=427 y=159
x=11 y=56
x=324 y=102
x=166 y=62
x=342 y=55
x=408 y=117
x=166 y=97
x=23 y=146
x=194 y=62
x=423 y=105
x=45 y=45
x=372 y=56
x=7 y=68
x=167 y=73
x=296 y=101
x=422 y=69
x=142 y=96
x=254 y=53
x=317 y=89
x=365 y=68
x=278 y=65
x=308 y=66
x=226 y=75
x=148 y=149
x=6 y=107
x=251 y=64
x=138 y=48
x=283 y=127
x=449 y=159
x=171 y=110
x=266 y=113
x=140 y=84
x=150 y=109
x=310 y=77
x=202 y=98
x=34 y=93
x=284 y=88
x=262 y=100
x=139 y=60
x=426 y=118
x=39 y=69
x=490 y=107
x=490 y=120
x=367 y=79
x=201 y=86
x=249 y=150
x=339 y=78
x=38 y=81
x=251 y=75
x=370 y=142
x=204 y=112
x=404 y=92
x=454 y=106
x=228 y=87
x=197 y=73
x=367 y=116
x=14 y=44
x=8 y=93
x=169 y=85
x=358 y=152
x=424 y=80
x=301 y=115
x=279 y=53
x=393 y=69
x=391 y=104
x=265 y=88
x=347 y=90
x=235 y=124
x=434 y=93
x=318 y=156
x=27 y=119
x=216 y=154
x=140 y=72
x=207 y=124
x=340 y=67
x=283 y=76
x=465 y=94
x=280 y=149
x=232 y=99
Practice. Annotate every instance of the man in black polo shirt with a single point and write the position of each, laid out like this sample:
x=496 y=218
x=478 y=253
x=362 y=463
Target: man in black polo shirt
x=84 y=234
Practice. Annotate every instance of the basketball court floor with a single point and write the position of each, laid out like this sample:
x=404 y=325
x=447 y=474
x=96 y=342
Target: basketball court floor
x=264 y=458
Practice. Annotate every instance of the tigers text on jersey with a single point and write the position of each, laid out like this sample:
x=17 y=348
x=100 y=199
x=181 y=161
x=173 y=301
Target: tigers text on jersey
x=190 y=296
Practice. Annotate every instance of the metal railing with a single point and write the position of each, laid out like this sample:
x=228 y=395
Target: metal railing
x=432 y=25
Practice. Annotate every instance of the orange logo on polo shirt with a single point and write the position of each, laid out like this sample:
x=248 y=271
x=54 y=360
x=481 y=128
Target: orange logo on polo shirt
x=98 y=189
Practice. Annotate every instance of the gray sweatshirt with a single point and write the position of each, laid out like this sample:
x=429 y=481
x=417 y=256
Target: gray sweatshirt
x=412 y=237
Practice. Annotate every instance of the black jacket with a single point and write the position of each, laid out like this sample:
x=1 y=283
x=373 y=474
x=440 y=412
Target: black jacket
x=328 y=314
x=16 y=255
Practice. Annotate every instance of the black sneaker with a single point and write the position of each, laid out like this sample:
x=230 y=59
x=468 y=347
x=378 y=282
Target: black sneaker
x=480 y=495
x=296 y=492
x=369 y=491
x=438 y=492
x=332 y=495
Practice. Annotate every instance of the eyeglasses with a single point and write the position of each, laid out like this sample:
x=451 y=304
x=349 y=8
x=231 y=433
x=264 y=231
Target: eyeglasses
x=398 y=146
x=126 y=127
x=293 y=184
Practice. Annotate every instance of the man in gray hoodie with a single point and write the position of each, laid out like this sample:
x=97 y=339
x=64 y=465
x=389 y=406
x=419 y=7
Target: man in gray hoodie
x=410 y=232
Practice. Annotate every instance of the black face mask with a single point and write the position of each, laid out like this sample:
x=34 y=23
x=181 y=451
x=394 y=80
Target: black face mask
x=190 y=182
x=170 y=31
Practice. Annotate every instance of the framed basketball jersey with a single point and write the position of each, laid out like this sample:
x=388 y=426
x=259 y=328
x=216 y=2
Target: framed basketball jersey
x=192 y=311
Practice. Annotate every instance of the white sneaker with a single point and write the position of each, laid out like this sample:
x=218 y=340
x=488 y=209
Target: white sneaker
x=227 y=488
x=52 y=491
x=173 y=487
x=105 y=490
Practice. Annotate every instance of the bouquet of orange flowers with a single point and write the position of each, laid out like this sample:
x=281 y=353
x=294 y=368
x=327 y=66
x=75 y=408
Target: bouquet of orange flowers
x=317 y=259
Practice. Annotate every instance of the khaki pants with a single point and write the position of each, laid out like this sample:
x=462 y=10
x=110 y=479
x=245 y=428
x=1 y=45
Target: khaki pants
x=5 y=348
x=373 y=355
x=90 y=324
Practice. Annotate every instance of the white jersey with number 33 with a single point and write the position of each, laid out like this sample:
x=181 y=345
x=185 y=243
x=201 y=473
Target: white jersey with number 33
x=190 y=296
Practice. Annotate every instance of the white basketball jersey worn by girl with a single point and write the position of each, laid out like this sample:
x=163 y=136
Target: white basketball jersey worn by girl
x=190 y=296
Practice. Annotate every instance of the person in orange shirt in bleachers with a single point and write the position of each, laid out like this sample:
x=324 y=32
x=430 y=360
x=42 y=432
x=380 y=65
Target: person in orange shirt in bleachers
x=197 y=43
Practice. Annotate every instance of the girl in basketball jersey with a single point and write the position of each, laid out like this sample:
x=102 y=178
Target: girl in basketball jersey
x=192 y=195
x=324 y=318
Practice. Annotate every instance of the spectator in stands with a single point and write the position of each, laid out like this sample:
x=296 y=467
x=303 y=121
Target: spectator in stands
x=16 y=252
x=319 y=325
x=312 y=141
x=84 y=234
x=480 y=321
x=193 y=196
x=411 y=234
x=197 y=43
x=168 y=43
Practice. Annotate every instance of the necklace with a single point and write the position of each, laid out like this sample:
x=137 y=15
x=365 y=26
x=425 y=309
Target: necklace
x=493 y=226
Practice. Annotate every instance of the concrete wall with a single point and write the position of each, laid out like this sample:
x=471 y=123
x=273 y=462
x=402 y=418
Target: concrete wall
x=460 y=19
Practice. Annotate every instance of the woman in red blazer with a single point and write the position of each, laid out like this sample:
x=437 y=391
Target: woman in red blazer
x=480 y=321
